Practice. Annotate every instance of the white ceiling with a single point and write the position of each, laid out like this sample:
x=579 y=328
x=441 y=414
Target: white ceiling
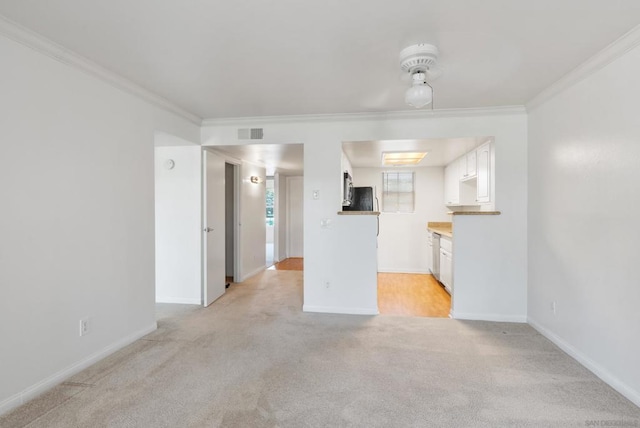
x=440 y=151
x=254 y=57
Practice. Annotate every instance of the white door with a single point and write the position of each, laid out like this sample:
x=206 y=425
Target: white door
x=295 y=222
x=214 y=228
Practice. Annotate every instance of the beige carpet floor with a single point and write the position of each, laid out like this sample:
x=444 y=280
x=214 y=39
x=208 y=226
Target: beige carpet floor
x=253 y=359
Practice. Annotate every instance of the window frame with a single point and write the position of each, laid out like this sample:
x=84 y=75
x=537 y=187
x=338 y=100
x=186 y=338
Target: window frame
x=398 y=205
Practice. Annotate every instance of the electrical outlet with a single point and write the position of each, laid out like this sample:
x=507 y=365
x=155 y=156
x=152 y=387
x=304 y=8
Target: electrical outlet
x=553 y=307
x=327 y=283
x=85 y=326
x=316 y=194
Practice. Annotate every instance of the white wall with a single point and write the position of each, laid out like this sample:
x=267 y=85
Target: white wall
x=253 y=229
x=322 y=138
x=584 y=154
x=402 y=243
x=498 y=292
x=295 y=216
x=280 y=216
x=178 y=207
x=77 y=218
x=351 y=239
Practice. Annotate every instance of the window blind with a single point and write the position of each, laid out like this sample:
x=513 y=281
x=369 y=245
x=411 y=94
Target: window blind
x=398 y=192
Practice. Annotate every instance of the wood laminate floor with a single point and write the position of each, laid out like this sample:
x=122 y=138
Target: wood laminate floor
x=412 y=295
x=292 y=263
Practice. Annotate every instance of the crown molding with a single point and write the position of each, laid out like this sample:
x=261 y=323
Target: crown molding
x=390 y=115
x=615 y=50
x=39 y=43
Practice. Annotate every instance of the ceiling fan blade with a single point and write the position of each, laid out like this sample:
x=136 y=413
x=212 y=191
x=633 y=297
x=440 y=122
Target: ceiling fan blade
x=434 y=72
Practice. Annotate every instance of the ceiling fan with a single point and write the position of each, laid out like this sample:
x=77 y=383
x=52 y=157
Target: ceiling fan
x=420 y=62
x=419 y=66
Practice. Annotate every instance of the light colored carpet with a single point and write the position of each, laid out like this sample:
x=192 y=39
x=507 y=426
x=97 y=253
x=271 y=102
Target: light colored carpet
x=253 y=359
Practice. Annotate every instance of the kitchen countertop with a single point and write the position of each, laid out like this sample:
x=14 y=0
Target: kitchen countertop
x=474 y=212
x=444 y=228
x=358 y=212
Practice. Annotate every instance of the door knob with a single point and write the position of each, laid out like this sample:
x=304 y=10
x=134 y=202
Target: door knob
x=208 y=229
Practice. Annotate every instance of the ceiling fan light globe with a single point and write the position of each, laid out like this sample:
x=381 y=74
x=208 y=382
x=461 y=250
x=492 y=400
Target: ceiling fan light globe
x=418 y=96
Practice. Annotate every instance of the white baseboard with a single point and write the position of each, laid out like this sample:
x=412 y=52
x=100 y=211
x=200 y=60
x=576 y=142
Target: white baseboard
x=595 y=368
x=254 y=272
x=59 y=377
x=181 y=300
x=415 y=271
x=340 y=310
x=489 y=317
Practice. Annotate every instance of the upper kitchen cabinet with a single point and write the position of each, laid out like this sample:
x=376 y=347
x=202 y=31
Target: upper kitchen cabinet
x=468 y=166
x=484 y=173
x=468 y=180
x=452 y=184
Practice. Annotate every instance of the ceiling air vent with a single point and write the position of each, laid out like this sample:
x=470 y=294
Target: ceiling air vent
x=250 y=133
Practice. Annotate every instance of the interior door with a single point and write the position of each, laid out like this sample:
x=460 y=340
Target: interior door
x=214 y=228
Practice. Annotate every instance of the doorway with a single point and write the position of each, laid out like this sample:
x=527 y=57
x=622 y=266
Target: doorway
x=270 y=198
x=230 y=221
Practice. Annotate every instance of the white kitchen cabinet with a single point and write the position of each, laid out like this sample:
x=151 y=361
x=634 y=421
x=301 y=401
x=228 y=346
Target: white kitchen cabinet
x=446 y=264
x=429 y=252
x=451 y=184
x=467 y=166
x=483 y=154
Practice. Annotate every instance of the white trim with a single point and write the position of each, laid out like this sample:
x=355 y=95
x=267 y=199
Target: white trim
x=180 y=300
x=408 y=271
x=340 y=310
x=489 y=317
x=59 y=377
x=227 y=157
x=606 y=56
x=595 y=368
x=41 y=44
x=391 y=115
x=252 y=273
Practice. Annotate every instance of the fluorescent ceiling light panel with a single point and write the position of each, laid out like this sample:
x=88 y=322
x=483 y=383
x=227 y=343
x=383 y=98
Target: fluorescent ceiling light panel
x=402 y=158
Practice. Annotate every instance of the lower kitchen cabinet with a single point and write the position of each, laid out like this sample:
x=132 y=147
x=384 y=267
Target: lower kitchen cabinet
x=430 y=252
x=446 y=264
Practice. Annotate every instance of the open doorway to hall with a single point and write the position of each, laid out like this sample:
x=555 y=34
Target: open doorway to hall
x=230 y=218
x=270 y=221
x=288 y=220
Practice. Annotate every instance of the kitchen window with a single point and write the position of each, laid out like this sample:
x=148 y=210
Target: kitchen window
x=398 y=192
